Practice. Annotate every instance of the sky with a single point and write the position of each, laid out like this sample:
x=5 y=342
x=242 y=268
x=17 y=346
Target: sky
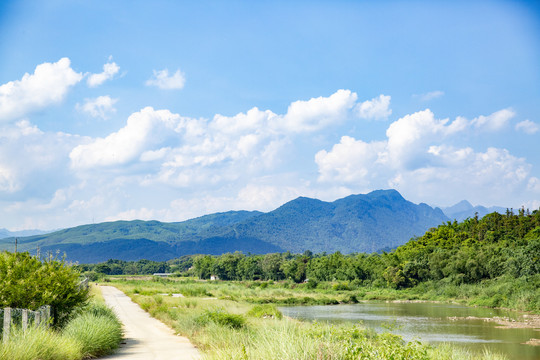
x=169 y=110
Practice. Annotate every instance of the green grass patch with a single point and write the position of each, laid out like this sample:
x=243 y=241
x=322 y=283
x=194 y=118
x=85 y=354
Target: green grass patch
x=265 y=311
x=221 y=317
x=40 y=343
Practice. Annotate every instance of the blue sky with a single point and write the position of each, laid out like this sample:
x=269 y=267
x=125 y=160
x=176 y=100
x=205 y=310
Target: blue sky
x=169 y=110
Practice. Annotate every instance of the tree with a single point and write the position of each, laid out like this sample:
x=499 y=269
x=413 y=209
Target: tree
x=26 y=282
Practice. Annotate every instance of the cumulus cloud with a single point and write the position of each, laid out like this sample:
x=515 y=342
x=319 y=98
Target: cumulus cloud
x=317 y=113
x=48 y=85
x=126 y=144
x=109 y=70
x=376 y=108
x=162 y=80
x=351 y=161
x=409 y=136
x=416 y=158
x=429 y=95
x=528 y=127
x=100 y=107
x=27 y=154
x=495 y=121
x=164 y=150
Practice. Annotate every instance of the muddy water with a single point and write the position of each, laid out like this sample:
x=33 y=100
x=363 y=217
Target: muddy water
x=434 y=323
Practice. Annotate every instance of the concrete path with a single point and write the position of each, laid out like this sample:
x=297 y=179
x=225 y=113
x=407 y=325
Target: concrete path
x=146 y=338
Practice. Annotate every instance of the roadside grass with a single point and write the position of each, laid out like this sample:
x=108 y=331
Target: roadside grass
x=94 y=331
x=261 y=332
x=97 y=330
x=40 y=343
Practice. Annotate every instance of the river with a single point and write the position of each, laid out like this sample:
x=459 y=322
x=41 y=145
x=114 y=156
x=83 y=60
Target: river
x=432 y=323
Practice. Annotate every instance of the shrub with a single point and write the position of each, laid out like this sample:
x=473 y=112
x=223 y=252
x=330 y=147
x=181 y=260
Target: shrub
x=265 y=311
x=98 y=334
x=27 y=282
x=221 y=317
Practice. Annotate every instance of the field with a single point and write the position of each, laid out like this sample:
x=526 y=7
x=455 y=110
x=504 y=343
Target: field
x=240 y=320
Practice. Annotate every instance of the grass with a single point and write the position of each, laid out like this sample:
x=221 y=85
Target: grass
x=519 y=294
x=93 y=332
x=40 y=343
x=239 y=320
x=97 y=330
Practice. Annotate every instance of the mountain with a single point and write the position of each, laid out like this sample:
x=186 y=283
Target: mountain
x=380 y=220
x=5 y=233
x=463 y=210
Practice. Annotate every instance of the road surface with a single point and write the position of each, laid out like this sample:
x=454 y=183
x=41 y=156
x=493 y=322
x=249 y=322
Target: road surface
x=146 y=338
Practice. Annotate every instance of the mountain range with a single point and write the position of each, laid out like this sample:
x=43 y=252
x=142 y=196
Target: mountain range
x=377 y=221
x=464 y=209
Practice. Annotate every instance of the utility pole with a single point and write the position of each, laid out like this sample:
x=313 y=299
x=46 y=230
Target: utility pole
x=16 y=240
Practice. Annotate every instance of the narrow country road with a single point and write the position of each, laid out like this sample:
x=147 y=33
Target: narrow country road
x=146 y=338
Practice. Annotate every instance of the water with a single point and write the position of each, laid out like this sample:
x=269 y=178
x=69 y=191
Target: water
x=430 y=322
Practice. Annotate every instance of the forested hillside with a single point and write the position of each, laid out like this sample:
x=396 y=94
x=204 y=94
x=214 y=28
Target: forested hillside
x=499 y=252
x=380 y=220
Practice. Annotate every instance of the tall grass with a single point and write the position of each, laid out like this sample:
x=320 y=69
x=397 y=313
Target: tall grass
x=95 y=331
x=262 y=334
x=98 y=335
x=41 y=343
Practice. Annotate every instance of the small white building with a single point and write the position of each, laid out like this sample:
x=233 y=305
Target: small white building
x=162 y=274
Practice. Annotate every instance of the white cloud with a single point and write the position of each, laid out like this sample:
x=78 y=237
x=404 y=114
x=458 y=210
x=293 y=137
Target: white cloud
x=128 y=143
x=429 y=95
x=27 y=154
x=495 y=121
x=409 y=136
x=162 y=80
x=317 y=113
x=109 y=70
x=417 y=160
x=534 y=185
x=528 y=127
x=350 y=161
x=376 y=108
x=47 y=85
x=100 y=107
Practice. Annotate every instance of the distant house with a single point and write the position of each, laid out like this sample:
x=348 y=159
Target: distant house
x=214 y=277
x=162 y=274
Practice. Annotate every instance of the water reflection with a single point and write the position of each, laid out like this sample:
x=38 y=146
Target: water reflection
x=431 y=322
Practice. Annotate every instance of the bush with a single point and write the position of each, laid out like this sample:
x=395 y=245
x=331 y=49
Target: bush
x=98 y=334
x=221 y=317
x=265 y=311
x=100 y=310
x=26 y=282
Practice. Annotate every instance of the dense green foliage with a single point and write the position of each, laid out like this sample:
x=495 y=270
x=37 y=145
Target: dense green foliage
x=499 y=252
x=380 y=220
x=27 y=282
x=457 y=253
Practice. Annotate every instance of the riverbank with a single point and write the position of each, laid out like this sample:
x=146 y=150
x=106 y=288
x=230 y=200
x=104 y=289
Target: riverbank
x=506 y=293
x=239 y=320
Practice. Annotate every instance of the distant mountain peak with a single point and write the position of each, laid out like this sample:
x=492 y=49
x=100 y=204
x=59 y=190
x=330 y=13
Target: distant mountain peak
x=463 y=205
x=381 y=219
x=465 y=209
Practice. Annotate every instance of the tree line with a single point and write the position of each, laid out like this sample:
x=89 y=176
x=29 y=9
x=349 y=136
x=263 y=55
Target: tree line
x=465 y=252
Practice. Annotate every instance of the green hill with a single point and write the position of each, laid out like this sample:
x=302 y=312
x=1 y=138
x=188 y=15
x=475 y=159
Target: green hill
x=377 y=221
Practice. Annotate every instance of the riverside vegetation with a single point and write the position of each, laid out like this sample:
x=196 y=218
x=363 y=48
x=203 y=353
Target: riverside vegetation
x=493 y=261
x=83 y=327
